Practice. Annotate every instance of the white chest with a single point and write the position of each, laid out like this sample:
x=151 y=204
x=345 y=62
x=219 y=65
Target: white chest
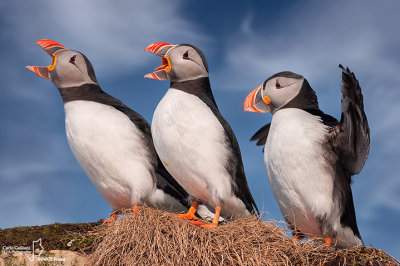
x=300 y=177
x=110 y=149
x=191 y=143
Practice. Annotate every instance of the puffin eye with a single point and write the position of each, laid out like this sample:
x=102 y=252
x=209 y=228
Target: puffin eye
x=186 y=55
x=72 y=59
x=278 y=85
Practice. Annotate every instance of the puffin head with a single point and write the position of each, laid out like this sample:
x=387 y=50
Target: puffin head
x=68 y=69
x=180 y=62
x=282 y=90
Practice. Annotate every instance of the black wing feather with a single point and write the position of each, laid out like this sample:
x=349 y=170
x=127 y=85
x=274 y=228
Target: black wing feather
x=235 y=163
x=344 y=146
x=261 y=135
x=351 y=137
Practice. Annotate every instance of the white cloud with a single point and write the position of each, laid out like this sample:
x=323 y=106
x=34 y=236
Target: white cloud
x=339 y=32
x=113 y=34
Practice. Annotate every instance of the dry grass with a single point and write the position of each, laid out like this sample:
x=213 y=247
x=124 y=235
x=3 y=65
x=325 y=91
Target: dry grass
x=157 y=238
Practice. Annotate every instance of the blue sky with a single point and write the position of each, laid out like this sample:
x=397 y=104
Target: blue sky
x=244 y=42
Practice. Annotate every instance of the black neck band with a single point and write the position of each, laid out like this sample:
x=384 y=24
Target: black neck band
x=200 y=87
x=84 y=92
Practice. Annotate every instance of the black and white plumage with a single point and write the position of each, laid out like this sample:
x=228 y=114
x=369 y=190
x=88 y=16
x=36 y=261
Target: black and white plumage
x=112 y=143
x=193 y=140
x=310 y=157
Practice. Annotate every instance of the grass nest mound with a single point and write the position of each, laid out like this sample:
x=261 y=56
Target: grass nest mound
x=155 y=237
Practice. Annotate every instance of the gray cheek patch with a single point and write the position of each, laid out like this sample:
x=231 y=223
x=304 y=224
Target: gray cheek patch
x=190 y=68
x=197 y=52
x=67 y=74
x=185 y=69
x=280 y=97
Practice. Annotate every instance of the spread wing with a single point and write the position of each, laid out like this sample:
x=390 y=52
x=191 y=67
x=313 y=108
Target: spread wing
x=350 y=138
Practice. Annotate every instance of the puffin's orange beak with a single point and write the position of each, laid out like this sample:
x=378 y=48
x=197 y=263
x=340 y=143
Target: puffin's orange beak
x=51 y=47
x=255 y=102
x=160 y=49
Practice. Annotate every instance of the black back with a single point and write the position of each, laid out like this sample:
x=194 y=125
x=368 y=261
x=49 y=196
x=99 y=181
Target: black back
x=162 y=178
x=201 y=88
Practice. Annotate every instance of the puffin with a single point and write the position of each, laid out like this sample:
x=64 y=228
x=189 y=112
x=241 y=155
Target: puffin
x=310 y=157
x=194 y=141
x=111 y=142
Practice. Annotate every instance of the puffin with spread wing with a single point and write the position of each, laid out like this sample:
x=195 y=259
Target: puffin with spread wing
x=310 y=157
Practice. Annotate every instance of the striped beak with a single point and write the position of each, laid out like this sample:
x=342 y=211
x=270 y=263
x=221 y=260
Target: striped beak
x=51 y=47
x=161 y=49
x=257 y=103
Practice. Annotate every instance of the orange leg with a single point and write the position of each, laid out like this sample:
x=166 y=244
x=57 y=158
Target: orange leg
x=190 y=214
x=113 y=217
x=214 y=222
x=328 y=242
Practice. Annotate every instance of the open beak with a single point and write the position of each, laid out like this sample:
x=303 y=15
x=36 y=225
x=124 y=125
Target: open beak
x=161 y=49
x=255 y=102
x=51 y=47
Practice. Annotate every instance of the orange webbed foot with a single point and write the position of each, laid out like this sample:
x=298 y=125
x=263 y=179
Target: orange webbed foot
x=109 y=220
x=204 y=225
x=328 y=242
x=197 y=223
x=212 y=225
x=215 y=221
x=187 y=216
x=135 y=210
x=113 y=217
x=190 y=214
